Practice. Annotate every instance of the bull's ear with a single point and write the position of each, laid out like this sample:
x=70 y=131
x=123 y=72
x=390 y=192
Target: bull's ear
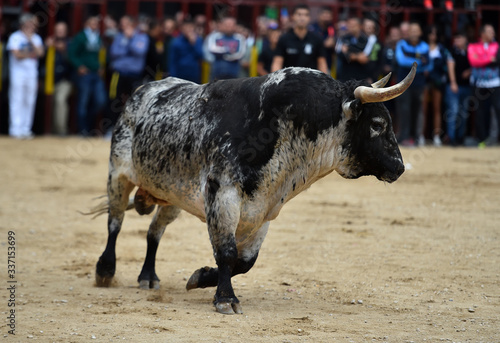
x=351 y=109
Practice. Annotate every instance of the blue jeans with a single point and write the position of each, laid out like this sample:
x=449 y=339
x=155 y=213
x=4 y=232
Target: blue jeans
x=457 y=113
x=91 y=99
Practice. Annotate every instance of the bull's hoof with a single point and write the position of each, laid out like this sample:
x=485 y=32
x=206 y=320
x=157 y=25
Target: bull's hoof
x=104 y=272
x=149 y=284
x=195 y=278
x=148 y=279
x=228 y=307
x=103 y=281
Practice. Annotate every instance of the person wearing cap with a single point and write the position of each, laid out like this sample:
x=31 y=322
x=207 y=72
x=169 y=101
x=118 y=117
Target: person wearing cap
x=300 y=47
x=266 y=56
x=25 y=48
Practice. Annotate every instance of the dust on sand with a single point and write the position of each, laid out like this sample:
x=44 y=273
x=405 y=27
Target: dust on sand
x=348 y=260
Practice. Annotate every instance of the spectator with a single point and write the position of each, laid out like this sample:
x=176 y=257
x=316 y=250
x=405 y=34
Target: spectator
x=324 y=27
x=62 y=76
x=340 y=33
x=249 y=42
x=351 y=56
x=485 y=78
x=409 y=104
x=299 y=47
x=340 y=29
x=436 y=81
x=262 y=24
x=214 y=31
x=404 y=28
x=373 y=50
x=127 y=60
x=200 y=23
x=389 y=52
x=84 y=56
x=142 y=24
x=25 y=48
x=169 y=30
x=186 y=53
x=154 y=53
x=227 y=48
x=110 y=30
x=266 y=56
x=284 y=19
x=389 y=66
x=458 y=90
x=179 y=19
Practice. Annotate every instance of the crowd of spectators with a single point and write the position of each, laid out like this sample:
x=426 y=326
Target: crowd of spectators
x=452 y=82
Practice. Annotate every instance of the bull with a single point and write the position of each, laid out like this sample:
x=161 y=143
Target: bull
x=233 y=153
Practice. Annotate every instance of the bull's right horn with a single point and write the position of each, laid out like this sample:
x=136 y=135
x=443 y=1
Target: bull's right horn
x=368 y=94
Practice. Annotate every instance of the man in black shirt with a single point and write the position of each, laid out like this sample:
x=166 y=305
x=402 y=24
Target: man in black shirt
x=352 y=57
x=300 y=47
x=458 y=90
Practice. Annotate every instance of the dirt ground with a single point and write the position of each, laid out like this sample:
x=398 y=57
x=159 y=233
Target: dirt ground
x=346 y=261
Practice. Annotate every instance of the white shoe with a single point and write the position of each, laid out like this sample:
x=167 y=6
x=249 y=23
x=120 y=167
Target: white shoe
x=421 y=140
x=24 y=137
x=437 y=141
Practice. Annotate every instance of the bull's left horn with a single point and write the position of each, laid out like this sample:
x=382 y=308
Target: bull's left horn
x=368 y=94
x=382 y=82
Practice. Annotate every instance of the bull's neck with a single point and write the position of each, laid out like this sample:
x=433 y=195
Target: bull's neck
x=331 y=155
x=299 y=162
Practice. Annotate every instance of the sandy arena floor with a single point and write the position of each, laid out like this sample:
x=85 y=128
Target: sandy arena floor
x=346 y=261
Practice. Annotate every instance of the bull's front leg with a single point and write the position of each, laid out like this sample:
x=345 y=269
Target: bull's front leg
x=222 y=208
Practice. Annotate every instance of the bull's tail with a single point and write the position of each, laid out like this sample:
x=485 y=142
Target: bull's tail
x=103 y=207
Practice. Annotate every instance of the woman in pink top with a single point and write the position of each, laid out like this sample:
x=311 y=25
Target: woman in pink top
x=485 y=78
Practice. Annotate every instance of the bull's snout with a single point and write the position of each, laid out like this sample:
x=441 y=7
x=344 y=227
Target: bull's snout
x=394 y=173
x=400 y=170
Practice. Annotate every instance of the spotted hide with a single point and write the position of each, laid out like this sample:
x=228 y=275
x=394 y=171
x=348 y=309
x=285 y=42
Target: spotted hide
x=232 y=153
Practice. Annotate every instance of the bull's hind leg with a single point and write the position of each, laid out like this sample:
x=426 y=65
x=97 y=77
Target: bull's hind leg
x=119 y=188
x=163 y=216
x=248 y=251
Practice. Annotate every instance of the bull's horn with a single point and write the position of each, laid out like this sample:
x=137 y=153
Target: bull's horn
x=382 y=82
x=368 y=94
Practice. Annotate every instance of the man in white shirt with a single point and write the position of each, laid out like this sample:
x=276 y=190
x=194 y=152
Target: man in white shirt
x=225 y=48
x=25 y=48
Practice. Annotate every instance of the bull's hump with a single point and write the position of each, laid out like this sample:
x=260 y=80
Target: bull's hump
x=278 y=76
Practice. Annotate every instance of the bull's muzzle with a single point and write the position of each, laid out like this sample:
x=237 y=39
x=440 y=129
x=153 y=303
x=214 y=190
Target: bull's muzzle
x=394 y=174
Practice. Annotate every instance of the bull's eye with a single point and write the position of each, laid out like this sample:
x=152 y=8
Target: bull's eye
x=377 y=127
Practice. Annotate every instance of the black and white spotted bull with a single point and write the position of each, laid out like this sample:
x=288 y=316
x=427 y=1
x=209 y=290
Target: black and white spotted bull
x=234 y=152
